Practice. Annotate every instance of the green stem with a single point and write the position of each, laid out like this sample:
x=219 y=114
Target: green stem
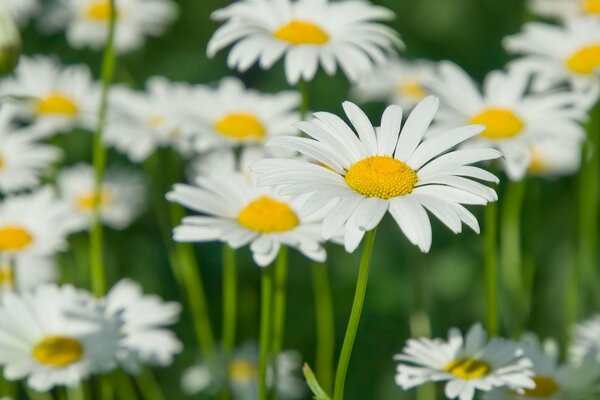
x=357 y=305
x=229 y=302
x=265 y=330
x=149 y=386
x=75 y=393
x=125 y=388
x=98 y=275
x=33 y=395
x=279 y=300
x=303 y=90
x=491 y=268
x=325 y=325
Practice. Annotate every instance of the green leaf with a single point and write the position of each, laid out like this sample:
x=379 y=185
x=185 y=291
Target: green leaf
x=313 y=384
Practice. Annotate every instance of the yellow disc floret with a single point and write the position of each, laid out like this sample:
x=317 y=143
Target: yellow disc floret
x=242 y=372
x=240 y=126
x=14 y=238
x=381 y=176
x=500 y=123
x=87 y=200
x=412 y=89
x=267 y=215
x=57 y=104
x=58 y=351
x=591 y=6
x=468 y=368
x=99 y=11
x=585 y=61
x=299 y=32
x=545 y=386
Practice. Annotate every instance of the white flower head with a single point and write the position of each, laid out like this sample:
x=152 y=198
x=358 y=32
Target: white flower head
x=586 y=340
x=54 y=98
x=226 y=159
x=396 y=82
x=27 y=272
x=52 y=337
x=23 y=161
x=144 y=335
x=514 y=118
x=21 y=10
x=555 y=157
x=86 y=21
x=239 y=213
x=390 y=168
x=564 y=9
x=467 y=364
x=306 y=33
x=121 y=198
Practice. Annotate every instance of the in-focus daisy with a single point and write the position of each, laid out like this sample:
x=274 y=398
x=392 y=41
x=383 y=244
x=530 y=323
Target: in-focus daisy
x=121 y=199
x=56 y=99
x=35 y=224
x=559 y=54
x=396 y=82
x=231 y=115
x=307 y=33
x=586 y=340
x=552 y=380
x=145 y=338
x=467 y=364
x=27 y=272
x=238 y=213
x=514 y=119
x=86 y=21
x=21 y=10
x=50 y=337
x=555 y=157
x=23 y=161
x=383 y=169
x=564 y=9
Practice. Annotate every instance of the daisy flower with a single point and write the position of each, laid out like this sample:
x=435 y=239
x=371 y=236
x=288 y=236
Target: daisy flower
x=27 y=273
x=383 y=169
x=396 y=82
x=36 y=223
x=231 y=115
x=564 y=9
x=86 y=21
x=513 y=118
x=552 y=380
x=141 y=122
x=121 y=200
x=50 y=337
x=23 y=161
x=55 y=99
x=466 y=364
x=145 y=338
x=559 y=54
x=586 y=340
x=21 y=10
x=238 y=213
x=555 y=157
x=307 y=33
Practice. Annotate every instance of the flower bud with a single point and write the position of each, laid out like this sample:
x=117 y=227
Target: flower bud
x=10 y=41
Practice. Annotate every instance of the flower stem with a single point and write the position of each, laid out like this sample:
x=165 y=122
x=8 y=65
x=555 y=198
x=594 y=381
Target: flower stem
x=491 y=268
x=229 y=302
x=357 y=305
x=149 y=386
x=75 y=393
x=265 y=330
x=303 y=90
x=98 y=274
x=279 y=300
x=325 y=325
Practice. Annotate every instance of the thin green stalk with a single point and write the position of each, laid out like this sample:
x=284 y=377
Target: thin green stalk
x=33 y=395
x=98 y=275
x=149 y=386
x=124 y=385
x=304 y=100
x=265 y=331
x=325 y=325
x=229 y=301
x=279 y=300
x=357 y=305
x=491 y=268
x=75 y=393
x=106 y=388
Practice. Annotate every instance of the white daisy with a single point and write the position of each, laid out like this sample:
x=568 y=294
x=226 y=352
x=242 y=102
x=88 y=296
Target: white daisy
x=307 y=33
x=552 y=380
x=466 y=365
x=555 y=157
x=86 y=21
x=121 y=200
x=145 y=338
x=396 y=82
x=231 y=115
x=27 y=272
x=21 y=10
x=56 y=99
x=50 y=337
x=559 y=54
x=383 y=169
x=238 y=213
x=564 y=9
x=586 y=340
x=35 y=224
x=23 y=161
x=140 y=122
x=514 y=118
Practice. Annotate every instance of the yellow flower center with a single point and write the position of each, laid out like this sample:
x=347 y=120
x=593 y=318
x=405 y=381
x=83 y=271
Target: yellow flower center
x=381 y=176
x=14 y=238
x=87 y=200
x=299 y=32
x=500 y=123
x=58 y=351
x=545 y=386
x=7 y=276
x=412 y=89
x=538 y=163
x=57 y=103
x=591 y=6
x=468 y=368
x=267 y=215
x=1 y=163
x=156 y=121
x=240 y=126
x=585 y=61
x=99 y=11
x=243 y=371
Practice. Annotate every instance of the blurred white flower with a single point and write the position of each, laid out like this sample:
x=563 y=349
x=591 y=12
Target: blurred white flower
x=306 y=33
x=121 y=199
x=27 y=272
x=564 y=9
x=586 y=340
x=555 y=157
x=21 y=10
